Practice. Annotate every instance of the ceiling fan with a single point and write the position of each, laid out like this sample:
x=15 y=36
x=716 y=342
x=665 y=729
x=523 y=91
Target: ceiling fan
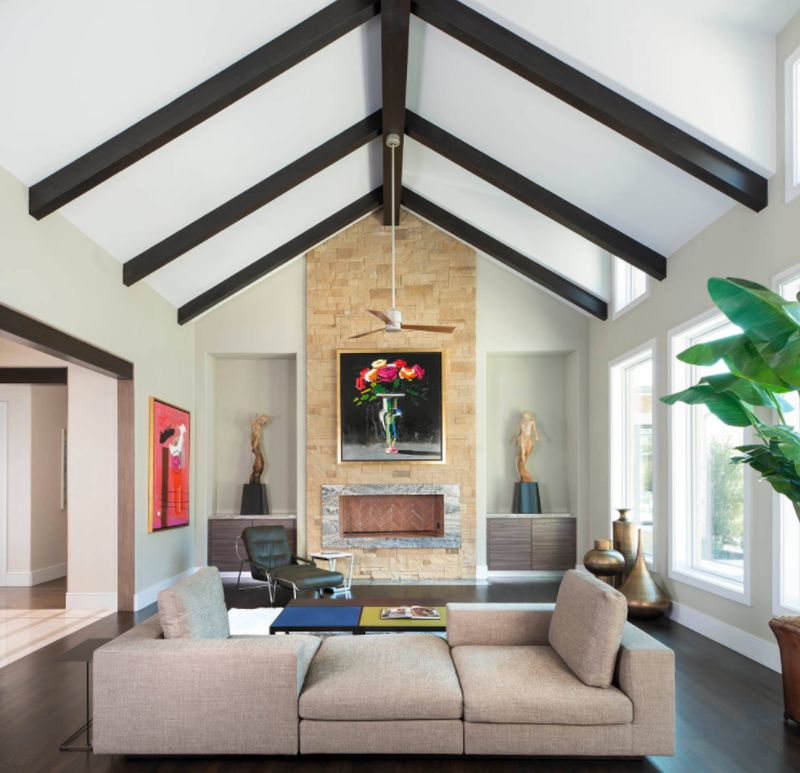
x=393 y=319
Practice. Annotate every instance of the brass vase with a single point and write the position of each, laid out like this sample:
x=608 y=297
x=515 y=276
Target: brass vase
x=604 y=562
x=646 y=600
x=624 y=532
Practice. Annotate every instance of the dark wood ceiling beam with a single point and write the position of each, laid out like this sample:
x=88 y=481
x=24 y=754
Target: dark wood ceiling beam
x=252 y=199
x=522 y=264
x=395 y=18
x=596 y=100
x=33 y=375
x=286 y=252
x=198 y=104
x=26 y=330
x=535 y=196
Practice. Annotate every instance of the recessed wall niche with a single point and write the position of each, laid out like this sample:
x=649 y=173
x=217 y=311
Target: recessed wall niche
x=542 y=382
x=243 y=388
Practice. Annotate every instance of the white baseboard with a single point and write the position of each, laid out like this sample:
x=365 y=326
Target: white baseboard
x=149 y=595
x=100 y=600
x=529 y=574
x=482 y=573
x=762 y=651
x=37 y=576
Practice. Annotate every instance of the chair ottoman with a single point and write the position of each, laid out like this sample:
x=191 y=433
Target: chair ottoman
x=382 y=694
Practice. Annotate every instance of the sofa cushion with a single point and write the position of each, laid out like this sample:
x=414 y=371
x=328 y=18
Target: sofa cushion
x=532 y=685
x=587 y=627
x=194 y=608
x=382 y=677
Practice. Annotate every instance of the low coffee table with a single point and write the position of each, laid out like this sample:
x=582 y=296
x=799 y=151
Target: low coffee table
x=320 y=615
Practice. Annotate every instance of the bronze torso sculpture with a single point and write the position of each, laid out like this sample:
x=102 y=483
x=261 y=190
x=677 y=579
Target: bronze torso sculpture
x=526 y=439
x=255 y=445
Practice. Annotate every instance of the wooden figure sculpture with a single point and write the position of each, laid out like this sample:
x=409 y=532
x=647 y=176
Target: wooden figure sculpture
x=256 y=429
x=526 y=490
x=526 y=439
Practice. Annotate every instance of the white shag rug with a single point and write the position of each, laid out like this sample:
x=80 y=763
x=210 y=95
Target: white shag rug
x=252 y=622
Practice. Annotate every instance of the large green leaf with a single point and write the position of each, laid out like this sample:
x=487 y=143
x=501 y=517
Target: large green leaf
x=726 y=407
x=747 y=391
x=754 y=308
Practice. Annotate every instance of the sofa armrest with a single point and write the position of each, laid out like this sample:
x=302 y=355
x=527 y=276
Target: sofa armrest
x=498 y=624
x=645 y=672
x=184 y=696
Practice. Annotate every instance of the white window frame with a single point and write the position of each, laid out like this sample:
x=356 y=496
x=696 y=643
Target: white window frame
x=616 y=263
x=616 y=442
x=791 y=77
x=778 y=605
x=680 y=569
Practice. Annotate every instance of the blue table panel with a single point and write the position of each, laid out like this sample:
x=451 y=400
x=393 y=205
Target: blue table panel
x=321 y=617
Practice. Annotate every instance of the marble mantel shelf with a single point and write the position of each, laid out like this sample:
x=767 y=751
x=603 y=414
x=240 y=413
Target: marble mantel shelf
x=529 y=515
x=235 y=516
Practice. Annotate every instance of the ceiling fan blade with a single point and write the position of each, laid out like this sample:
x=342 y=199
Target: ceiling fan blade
x=368 y=333
x=430 y=328
x=380 y=315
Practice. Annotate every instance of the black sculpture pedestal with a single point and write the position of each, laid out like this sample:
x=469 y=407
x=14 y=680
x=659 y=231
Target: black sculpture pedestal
x=254 y=499
x=526 y=498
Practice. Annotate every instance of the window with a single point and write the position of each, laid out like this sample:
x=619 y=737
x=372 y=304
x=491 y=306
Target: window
x=629 y=286
x=710 y=495
x=787 y=528
x=631 y=437
x=792 y=97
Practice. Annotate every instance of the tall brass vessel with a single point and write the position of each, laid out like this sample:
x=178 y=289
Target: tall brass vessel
x=645 y=599
x=624 y=533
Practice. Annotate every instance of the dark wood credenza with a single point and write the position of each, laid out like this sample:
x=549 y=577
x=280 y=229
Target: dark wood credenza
x=530 y=542
x=224 y=529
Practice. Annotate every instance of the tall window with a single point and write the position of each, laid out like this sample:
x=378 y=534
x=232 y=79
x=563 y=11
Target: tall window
x=709 y=512
x=629 y=286
x=792 y=98
x=631 y=382
x=787 y=531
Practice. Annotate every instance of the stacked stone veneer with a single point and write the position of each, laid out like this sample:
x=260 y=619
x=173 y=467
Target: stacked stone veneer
x=436 y=285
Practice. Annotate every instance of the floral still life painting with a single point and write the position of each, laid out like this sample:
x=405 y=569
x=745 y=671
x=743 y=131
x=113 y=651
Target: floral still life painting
x=391 y=406
x=169 y=466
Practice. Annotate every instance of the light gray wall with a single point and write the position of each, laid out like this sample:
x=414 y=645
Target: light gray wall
x=516 y=383
x=744 y=244
x=516 y=317
x=244 y=388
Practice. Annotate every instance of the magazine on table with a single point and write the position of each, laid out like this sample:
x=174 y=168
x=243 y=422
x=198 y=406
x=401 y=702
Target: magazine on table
x=410 y=613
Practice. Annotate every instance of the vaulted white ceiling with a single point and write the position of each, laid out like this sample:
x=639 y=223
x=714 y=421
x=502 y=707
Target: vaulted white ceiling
x=74 y=74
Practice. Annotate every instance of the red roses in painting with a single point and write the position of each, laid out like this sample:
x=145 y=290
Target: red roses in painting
x=390 y=376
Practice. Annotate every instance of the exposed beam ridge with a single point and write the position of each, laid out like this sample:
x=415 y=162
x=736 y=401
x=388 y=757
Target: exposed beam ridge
x=395 y=18
x=252 y=199
x=535 y=196
x=286 y=252
x=23 y=329
x=534 y=271
x=33 y=375
x=198 y=104
x=596 y=100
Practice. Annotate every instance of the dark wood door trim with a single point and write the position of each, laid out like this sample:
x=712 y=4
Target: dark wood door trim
x=33 y=375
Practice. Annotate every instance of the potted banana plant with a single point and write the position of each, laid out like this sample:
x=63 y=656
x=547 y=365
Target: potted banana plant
x=763 y=361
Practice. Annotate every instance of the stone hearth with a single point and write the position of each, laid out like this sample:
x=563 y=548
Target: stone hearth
x=332 y=531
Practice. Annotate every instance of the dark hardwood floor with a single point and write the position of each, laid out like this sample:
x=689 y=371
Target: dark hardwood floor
x=729 y=708
x=47 y=595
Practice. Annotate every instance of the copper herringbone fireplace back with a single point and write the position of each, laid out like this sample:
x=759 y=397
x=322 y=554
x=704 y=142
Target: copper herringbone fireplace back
x=396 y=515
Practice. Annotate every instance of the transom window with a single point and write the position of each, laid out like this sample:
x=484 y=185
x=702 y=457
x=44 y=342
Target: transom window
x=709 y=498
x=631 y=383
x=629 y=286
x=792 y=97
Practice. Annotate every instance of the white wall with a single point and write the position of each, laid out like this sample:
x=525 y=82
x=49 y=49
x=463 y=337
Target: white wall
x=245 y=388
x=48 y=520
x=54 y=273
x=516 y=317
x=267 y=320
x=744 y=244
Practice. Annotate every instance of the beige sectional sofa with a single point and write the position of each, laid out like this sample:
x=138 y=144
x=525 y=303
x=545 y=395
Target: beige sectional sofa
x=511 y=679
